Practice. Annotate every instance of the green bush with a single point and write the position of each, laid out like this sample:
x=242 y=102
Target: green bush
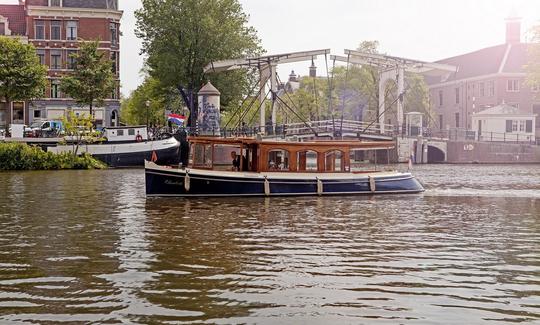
x=18 y=156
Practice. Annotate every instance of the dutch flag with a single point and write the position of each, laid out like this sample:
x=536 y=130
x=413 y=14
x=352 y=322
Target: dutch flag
x=176 y=119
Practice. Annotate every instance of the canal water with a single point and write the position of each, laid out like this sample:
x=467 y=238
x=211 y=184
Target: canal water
x=88 y=247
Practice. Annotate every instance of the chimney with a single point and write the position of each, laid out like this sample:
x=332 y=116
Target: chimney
x=313 y=70
x=293 y=77
x=513 y=29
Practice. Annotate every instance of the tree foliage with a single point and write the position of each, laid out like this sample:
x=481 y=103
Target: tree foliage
x=135 y=110
x=19 y=156
x=22 y=77
x=92 y=80
x=180 y=37
x=79 y=129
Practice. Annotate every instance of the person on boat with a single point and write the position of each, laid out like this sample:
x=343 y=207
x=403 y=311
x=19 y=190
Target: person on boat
x=236 y=162
x=184 y=148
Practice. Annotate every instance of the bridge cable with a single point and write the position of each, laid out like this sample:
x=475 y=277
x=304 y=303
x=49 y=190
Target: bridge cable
x=378 y=116
x=259 y=108
x=242 y=104
x=303 y=121
x=253 y=99
x=344 y=94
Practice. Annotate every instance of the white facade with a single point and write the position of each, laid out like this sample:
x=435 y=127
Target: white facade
x=504 y=123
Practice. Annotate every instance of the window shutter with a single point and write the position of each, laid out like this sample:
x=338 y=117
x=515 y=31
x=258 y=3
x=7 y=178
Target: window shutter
x=528 y=126
x=508 y=126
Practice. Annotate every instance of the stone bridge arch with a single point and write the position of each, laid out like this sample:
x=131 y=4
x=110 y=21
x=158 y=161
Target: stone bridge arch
x=437 y=151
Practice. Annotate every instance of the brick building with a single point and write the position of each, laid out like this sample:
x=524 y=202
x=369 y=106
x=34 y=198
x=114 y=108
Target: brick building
x=485 y=78
x=56 y=28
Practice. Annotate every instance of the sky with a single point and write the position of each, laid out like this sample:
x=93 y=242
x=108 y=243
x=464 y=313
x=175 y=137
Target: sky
x=426 y=30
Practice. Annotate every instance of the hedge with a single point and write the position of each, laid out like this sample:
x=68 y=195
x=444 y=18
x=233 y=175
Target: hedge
x=18 y=156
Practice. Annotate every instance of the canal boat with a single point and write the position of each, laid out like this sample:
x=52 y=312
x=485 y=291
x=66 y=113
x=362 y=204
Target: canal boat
x=252 y=167
x=128 y=146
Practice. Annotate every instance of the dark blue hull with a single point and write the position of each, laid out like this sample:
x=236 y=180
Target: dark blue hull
x=172 y=182
x=169 y=156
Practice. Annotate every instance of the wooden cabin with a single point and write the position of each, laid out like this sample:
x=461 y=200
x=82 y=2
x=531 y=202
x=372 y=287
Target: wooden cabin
x=278 y=156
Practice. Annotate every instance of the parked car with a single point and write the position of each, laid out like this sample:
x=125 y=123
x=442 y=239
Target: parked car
x=45 y=129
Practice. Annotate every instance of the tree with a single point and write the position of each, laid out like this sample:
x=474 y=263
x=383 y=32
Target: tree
x=135 y=110
x=79 y=129
x=22 y=77
x=92 y=80
x=194 y=34
x=533 y=66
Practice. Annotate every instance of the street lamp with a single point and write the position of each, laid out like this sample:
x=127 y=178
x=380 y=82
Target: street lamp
x=147 y=107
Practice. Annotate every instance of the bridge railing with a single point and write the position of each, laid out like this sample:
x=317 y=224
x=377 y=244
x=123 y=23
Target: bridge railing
x=329 y=126
x=459 y=134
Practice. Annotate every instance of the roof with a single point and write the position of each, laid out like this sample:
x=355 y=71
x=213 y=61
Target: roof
x=209 y=89
x=504 y=109
x=320 y=144
x=505 y=58
x=16 y=16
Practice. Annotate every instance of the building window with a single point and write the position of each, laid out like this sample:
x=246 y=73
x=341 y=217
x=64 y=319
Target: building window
x=37 y=113
x=114 y=60
x=514 y=126
x=536 y=110
x=481 y=89
x=112 y=4
x=114 y=94
x=528 y=126
x=2 y=29
x=39 y=29
x=56 y=59
x=441 y=125
x=41 y=56
x=55 y=89
x=457 y=95
x=491 y=88
x=18 y=113
x=512 y=86
x=56 y=30
x=457 y=120
x=522 y=126
x=71 y=30
x=114 y=33
x=55 y=3
x=71 y=59
x=3 y=114
x=440 y=97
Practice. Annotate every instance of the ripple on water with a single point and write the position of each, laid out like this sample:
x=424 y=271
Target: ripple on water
x=465 y=252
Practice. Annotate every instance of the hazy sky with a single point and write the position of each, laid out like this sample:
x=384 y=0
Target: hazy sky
x=418 y=29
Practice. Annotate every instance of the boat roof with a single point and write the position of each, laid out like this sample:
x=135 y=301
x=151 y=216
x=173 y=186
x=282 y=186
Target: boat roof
x=124 y=127
x=351 y=144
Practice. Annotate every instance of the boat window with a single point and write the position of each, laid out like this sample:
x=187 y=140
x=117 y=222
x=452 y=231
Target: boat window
x=120 y=132
x=278 y=160
x=307 y=161
x=333 y=161
x=202 y=155
x=131 y=131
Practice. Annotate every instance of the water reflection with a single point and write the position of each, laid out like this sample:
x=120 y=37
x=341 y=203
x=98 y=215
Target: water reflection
x=93 y=249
